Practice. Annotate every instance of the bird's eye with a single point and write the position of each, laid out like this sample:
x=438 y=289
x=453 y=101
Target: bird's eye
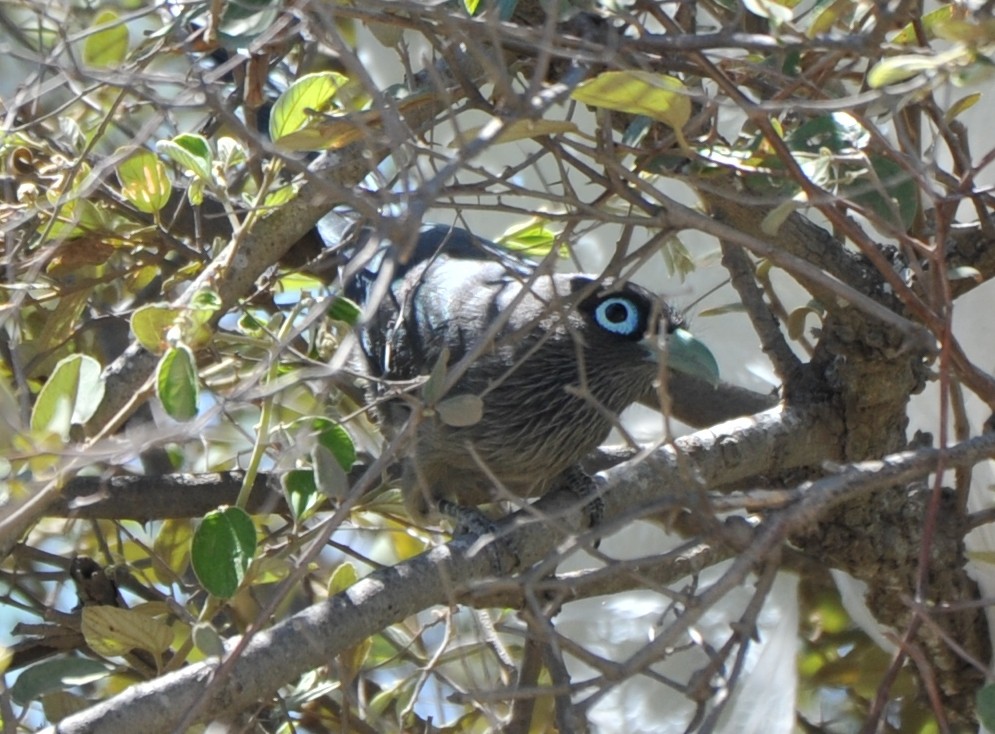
x=617 y=315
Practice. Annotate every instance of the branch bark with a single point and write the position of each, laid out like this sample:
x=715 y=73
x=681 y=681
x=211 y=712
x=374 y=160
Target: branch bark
x=256 y=666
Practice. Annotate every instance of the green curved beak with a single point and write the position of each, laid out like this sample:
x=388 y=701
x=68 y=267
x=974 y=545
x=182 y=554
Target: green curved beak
x=690 y=356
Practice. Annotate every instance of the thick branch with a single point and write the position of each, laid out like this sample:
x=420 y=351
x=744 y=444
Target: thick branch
x=770 y=442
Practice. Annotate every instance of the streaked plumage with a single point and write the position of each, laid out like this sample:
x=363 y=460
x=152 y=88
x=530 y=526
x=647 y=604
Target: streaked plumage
x=571 y=353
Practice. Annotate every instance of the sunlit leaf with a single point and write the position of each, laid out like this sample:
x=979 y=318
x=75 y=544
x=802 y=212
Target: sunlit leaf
x=70 y=396
x=894 y=69
x=191 y=152
x=961 y=105
x=722 y=310
x=929 y=23
x=796 y=322
x=311 y=93
x=523 y=129
x=222 y=549
x=112 y=631
x=773 y=220
x=657 y=96
x=828 y=16
x=150 y=323
x=331 y=435
x=301 y=490
x=534 y=239
x=144 y=181
x=108 y=46
x=172 y=550
x=342 y=578
x=776 y=12
x=965 y=271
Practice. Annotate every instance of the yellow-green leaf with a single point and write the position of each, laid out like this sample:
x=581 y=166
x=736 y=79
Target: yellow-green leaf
x=657 y=96
x=150 y=323
x=312 y=93
x=534 y=239
x=929 y=23
x=172 y=550
x=961 y=105
x=192 y=152
x=112 y=631
x=144 y=181
x=519 y=130
x=109 y=45
x=70 y=395
x=342 y=578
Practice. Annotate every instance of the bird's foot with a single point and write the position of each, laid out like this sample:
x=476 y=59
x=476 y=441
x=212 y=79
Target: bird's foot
x=471 y=521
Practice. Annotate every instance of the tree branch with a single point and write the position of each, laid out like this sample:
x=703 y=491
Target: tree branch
x=773 y=441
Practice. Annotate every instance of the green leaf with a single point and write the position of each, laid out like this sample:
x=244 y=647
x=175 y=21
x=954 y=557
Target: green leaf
x=70 y=396
x=222 y=549
x=150 y=323
x=56 y=675
x=207 y=640
x=231 y=152
x=337 y=440
x=176 y=382
x=342 y=309
x=301 y=490
x=191 y=152
x=928 y=23
x=905 y=66
x=658 y=96
x=985 y=700
x=108 y=46
x=329 y=476
x=312 y=93
x=342 y=578
x=534 y=239
x=892 y=196
x=144 y=182
x=896 y=69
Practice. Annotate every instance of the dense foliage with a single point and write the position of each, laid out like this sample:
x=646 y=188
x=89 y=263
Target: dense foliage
x=192 y=483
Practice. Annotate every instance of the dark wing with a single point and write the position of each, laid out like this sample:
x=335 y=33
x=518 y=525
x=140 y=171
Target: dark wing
x=438 y=292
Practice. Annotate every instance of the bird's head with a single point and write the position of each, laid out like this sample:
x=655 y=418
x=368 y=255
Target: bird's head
x=628 y=318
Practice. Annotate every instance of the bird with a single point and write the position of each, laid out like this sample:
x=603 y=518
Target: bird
x=538 y=365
